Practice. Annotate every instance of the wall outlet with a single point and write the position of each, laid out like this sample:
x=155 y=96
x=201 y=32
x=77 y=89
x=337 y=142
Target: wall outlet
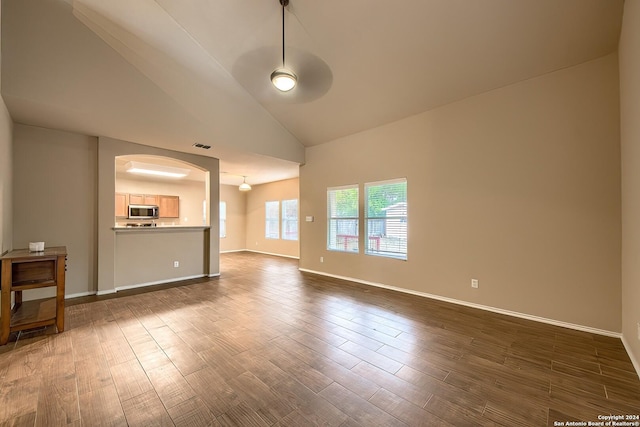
x=638 y=331
x=176 y=264
x=321 y=259
x=474 y=283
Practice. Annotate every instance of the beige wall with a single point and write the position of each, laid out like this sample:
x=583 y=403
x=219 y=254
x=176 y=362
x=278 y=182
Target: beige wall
x=55 y=181
x=145 y=257
x=630 y=141
x=191 y=193
x=236 y=238
x=517 y=187
x=6 y=201
x=6 y=179
x=256 y=198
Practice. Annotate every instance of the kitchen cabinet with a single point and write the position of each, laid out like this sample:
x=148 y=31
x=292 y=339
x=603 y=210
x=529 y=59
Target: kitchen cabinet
x=122 y=202
x=143 y=199
x=169 y=206
x=23 y=270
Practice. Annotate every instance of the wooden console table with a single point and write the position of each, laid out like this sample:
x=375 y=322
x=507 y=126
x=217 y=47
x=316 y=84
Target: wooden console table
x=23 y=270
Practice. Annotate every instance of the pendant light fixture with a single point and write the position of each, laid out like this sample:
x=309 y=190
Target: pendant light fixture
x=244 y=186
x=283 y=79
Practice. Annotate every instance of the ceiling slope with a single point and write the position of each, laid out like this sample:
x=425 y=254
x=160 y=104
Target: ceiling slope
x=57 y=73
x=389 y=60
x=198 y=70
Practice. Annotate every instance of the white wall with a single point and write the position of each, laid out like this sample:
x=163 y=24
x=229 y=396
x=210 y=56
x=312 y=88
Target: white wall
x=518 y=187
x=630 y=141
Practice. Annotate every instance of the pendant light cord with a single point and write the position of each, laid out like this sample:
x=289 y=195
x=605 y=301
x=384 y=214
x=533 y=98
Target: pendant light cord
x=282 y=2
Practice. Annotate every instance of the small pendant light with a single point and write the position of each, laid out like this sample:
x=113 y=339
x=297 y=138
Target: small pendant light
x=244 y=186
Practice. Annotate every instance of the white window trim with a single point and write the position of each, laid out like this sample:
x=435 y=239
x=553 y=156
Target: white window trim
x=330 y=218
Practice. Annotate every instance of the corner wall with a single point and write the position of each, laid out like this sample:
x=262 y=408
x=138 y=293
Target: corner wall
x=629 y=52
x=518 y=187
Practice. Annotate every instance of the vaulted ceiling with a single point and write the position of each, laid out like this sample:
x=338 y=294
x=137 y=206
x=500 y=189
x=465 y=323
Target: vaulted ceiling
x=170 y=73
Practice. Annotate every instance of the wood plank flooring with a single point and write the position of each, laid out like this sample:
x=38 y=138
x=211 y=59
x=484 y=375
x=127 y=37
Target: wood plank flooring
x=267 y=345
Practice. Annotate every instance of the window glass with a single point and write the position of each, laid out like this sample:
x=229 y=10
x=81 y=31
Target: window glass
x=223 y=219
x=272 y=220
x=386 y=218
x=342 y=215
x=290 y=219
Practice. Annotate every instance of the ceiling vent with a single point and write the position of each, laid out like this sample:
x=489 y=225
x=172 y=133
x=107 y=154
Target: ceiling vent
x=204 y=147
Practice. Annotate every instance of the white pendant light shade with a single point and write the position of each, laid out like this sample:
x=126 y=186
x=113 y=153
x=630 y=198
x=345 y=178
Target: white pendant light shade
x=244 y=186
x=283 y=79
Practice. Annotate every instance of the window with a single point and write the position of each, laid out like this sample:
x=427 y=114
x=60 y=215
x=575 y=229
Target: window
x=223 y=219
x=342 y=214
x=290 y=219
x=386 y=218
x=272 y=220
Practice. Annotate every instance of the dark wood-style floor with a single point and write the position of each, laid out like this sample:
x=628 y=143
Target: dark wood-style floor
x=268 y=345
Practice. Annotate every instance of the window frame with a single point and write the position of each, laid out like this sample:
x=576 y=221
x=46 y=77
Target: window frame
x=348 y=241
x=401 y=231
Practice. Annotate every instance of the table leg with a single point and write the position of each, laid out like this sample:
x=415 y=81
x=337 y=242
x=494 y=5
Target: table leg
x=5 y=303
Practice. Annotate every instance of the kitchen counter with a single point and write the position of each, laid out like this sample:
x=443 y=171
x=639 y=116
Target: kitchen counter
x=120 y=229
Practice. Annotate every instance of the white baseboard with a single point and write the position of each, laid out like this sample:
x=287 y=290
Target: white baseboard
x=474 y=305
x=139 y=285
x=259 y=252
x=634 y=361
x=80 y=294
x=158 y=282
x=271 y=253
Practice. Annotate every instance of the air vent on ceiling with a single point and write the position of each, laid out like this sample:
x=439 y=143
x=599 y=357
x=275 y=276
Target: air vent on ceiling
x=204 y=147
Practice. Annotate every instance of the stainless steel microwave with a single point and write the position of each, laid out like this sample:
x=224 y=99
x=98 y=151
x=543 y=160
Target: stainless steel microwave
x=143 y=212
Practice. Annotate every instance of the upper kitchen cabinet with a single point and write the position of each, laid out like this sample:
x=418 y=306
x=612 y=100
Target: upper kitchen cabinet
x=143 y=199
x=122 y=202
x=169 y=206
